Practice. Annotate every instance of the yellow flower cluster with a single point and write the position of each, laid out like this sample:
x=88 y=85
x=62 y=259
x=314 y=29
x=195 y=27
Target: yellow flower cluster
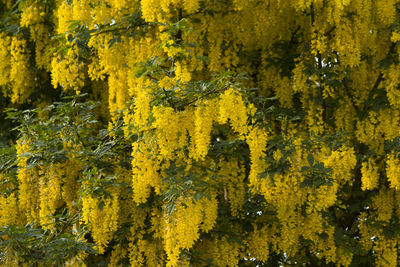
x=64 y=17
x=383 y=202
x=70 y=187
x=222 y=251
x=366 y=233
x=383 y=124
x=5 y=60
x=81 y=11
x=348 y=46
x=326 y=248
x=50 y=192
x=342 y=163
x=284 y=91
x=40 y=35
x=32 y=14
x=145 y=167
x=68 y=72
x=144 y=253
x=152 y=10
x=386 y=11
x=117 y=255
x=259 y=243
x=384 y=247
x=392 y=81
x=232 y=107
x=20 y=74
x=315 y=120
x=369 y=175
x=233 y=174
x=182 y=74
x=343 y=121
x=393 y=171
x=141 y=111
x=344 y=256
x=9 y=211
x=28 y=195
x=167 y=123
x=182 y=228
x=257 y=141
x=102 y=217
x=386 y=250
x=323 y=197
x=204 y=117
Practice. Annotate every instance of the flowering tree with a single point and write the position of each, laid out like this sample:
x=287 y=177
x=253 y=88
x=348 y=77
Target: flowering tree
x=199 y=133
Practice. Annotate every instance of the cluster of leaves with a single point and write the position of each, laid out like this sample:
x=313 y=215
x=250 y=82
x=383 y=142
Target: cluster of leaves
x=182 y=183
x=74 y=121
x=67 y=122
x=79 y=34
x=70 y=121
x=38 y=247
x=316 y=173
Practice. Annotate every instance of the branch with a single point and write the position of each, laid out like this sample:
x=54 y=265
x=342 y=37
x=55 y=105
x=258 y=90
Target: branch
x=380 y=76
x=200 y=97
x=330 y=31
x=168 y=99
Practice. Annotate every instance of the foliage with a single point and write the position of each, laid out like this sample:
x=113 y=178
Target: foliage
x=199 y=133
